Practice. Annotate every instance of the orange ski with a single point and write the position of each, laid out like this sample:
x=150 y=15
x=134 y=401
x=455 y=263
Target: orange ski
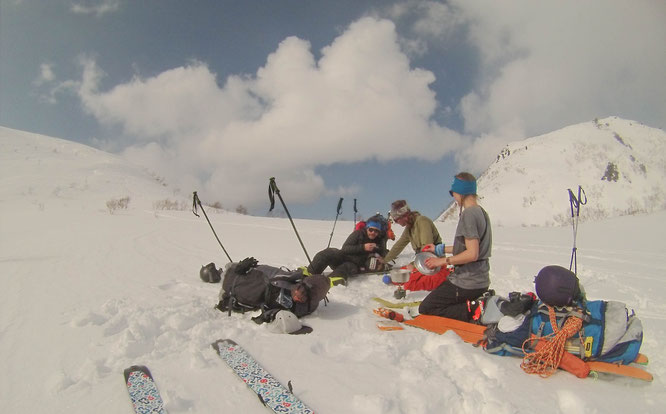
x=624 y=370
x=469 y=332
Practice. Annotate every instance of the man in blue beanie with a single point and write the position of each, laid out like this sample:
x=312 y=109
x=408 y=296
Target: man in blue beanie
x=357 y=252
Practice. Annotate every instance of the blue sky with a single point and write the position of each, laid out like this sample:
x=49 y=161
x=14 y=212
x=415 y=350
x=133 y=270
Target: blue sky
x=373 y=100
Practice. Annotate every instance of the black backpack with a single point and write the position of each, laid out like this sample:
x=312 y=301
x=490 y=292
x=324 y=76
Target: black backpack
x=249 y=286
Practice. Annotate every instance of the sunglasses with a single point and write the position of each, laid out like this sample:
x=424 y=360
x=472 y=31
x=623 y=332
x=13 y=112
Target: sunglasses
x=373 y=230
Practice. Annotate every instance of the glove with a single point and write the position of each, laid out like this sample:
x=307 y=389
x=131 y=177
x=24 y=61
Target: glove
x=245 y=265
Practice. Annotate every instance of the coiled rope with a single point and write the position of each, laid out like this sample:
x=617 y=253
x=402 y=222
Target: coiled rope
x=547 y=358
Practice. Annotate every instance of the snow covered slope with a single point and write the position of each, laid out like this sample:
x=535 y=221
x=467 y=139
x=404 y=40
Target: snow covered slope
x=620 y=164
x=54 y=172
x=86 y=293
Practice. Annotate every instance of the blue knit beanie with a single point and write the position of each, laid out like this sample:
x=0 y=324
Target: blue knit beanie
x=462 y=187
x=374 y=224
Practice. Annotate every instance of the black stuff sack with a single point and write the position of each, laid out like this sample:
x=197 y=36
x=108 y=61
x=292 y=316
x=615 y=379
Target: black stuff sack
x=557 y=286
x=210 y=273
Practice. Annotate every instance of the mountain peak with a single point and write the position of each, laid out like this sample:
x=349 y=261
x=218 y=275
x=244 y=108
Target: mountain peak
x=619 y=164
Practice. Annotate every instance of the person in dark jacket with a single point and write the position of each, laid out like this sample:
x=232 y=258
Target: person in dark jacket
x=248 y=286
x=307 y=294
x=354 y=257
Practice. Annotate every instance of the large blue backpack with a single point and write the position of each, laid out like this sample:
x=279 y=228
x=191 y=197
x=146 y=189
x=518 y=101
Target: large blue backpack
x=610 y=333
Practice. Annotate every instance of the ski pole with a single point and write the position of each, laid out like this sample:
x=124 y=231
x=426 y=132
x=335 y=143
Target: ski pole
x=336 y=220
x=355 y=211
x=575 y=203
x=272 y=190
x=195 y=201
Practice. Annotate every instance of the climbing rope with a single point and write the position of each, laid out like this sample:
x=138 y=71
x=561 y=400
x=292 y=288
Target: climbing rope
x=545 y=360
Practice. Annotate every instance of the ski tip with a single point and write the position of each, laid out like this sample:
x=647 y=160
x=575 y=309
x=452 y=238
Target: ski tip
x=595 y=373
x=222 y=342
x=134 y=368
x=623 y=370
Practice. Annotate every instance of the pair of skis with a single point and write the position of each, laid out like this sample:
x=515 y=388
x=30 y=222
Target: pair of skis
x=146 y=398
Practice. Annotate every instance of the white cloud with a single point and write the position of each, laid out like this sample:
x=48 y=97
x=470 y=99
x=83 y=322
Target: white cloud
x=551 y=64
x=430 y=19
x=344 y=191
x=95 y=7
x=436 y=19
x=546 y=65
x=45 y=80
x=482 y=150
x=48 y=88
x=360 y=101
x=46 y=74
x=427 y=22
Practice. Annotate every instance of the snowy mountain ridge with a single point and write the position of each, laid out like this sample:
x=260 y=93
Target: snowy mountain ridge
x=620 y=165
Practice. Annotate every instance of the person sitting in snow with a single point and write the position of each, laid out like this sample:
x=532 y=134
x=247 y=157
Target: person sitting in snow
x=470 y=254
x=353 y=258
x=420 y=231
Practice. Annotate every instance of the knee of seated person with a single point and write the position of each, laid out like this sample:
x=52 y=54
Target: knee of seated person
x=425 y=309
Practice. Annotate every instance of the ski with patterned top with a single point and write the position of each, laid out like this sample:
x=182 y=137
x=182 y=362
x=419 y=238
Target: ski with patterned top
x=270 y=391
x=143 y=392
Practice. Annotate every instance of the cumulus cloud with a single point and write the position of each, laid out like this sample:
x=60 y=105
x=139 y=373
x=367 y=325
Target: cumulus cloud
x=434 y=19
x=361 y=100
x=95 y=7
x=565 y=63
x=546 y=65
x=427 y=23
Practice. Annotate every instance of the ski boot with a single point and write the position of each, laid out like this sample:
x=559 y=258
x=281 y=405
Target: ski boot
x=337 y=280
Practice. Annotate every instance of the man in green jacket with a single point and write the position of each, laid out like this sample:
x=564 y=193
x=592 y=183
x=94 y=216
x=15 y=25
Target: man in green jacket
x=419 y=230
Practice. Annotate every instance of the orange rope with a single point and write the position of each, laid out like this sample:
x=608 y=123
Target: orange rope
x=546 y=360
